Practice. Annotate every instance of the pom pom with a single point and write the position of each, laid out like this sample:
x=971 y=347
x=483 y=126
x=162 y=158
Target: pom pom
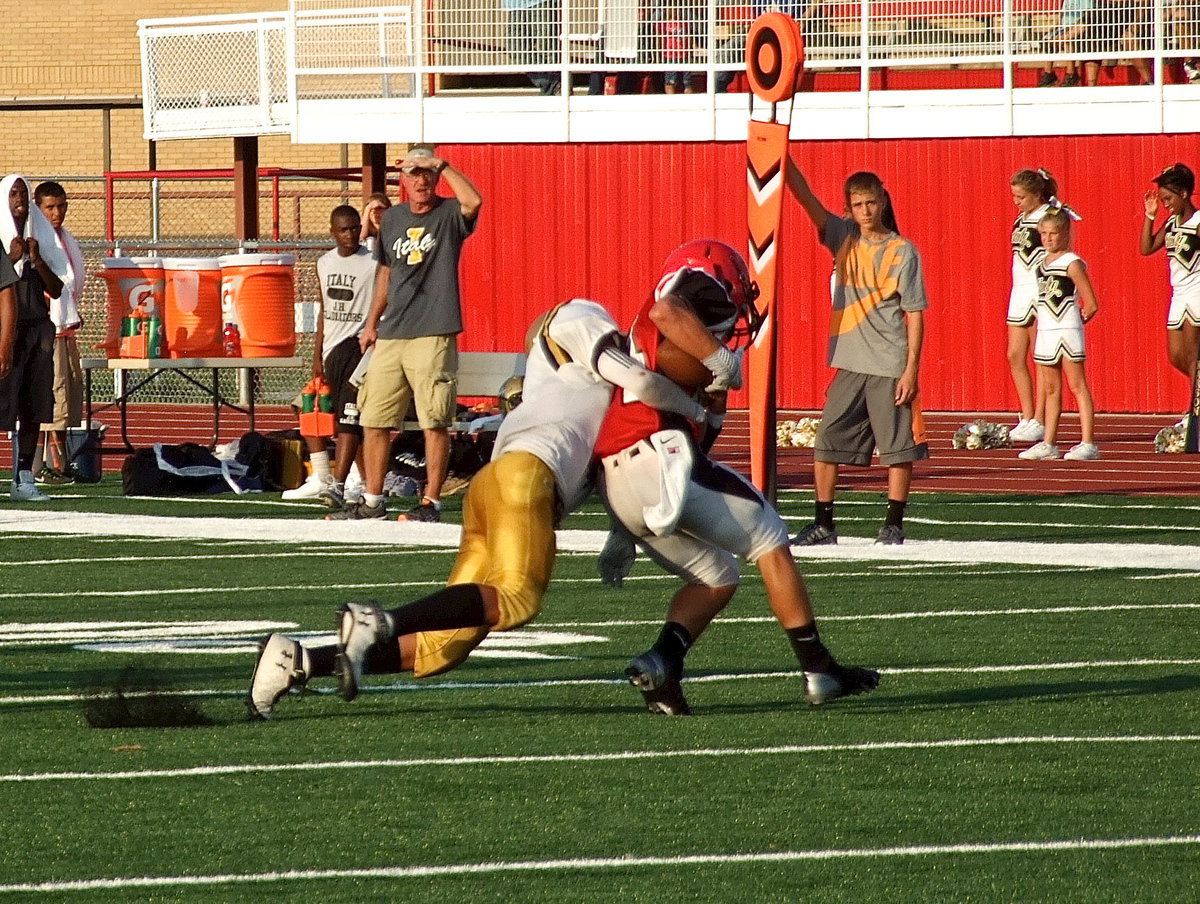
x=801 y=434
x=1170 y=439
x=981 y=434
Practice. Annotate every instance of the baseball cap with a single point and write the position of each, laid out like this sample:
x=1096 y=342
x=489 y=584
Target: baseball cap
x=417 y=158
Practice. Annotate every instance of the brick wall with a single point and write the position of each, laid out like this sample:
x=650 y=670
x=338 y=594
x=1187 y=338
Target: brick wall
x=97 y=45
x=95 y=54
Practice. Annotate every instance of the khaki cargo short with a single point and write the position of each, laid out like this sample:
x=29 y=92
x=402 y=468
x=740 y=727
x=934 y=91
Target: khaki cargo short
x=421 y=370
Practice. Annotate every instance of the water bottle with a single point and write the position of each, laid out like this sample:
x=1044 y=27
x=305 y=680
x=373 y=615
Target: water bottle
x=156 y=347
x=231 y=341
x=308 y=398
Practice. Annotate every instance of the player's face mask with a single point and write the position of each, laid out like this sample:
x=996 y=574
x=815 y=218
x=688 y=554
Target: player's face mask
x=714 y=280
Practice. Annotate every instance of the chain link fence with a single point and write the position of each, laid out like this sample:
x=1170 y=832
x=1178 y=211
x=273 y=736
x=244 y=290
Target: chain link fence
x=156 y=216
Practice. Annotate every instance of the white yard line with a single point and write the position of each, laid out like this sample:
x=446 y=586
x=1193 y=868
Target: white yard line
x=622 y=862
x=42 y=633
x=617 y=756
x=298 y=553
x=1147 y=556
x=974 y=522
x=414 y=686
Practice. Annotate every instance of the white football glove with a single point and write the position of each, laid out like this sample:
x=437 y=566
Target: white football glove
x=726 y=368
x=616 y=558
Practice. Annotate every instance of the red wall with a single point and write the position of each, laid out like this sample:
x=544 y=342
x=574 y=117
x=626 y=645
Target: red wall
x=596 y=221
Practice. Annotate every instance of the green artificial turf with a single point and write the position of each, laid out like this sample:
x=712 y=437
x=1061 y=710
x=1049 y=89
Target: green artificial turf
x=1034 y=737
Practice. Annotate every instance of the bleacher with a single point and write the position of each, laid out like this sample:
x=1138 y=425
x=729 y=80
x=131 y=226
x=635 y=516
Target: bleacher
x=445 y=71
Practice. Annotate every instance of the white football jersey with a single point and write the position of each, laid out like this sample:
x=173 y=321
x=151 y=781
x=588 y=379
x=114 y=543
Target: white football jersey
x=564 y=398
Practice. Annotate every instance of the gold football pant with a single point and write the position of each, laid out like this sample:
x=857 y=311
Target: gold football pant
x=507 y=543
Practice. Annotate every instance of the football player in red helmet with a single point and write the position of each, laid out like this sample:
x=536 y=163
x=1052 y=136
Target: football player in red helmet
x=540 y=469
x=731 y=310
x=693 y=516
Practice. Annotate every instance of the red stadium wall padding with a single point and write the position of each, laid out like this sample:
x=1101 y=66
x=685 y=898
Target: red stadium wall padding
x=597 y=220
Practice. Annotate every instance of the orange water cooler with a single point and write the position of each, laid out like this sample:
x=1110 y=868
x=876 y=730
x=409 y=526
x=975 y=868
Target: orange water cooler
x=258 y=293
x=191 y=313
x=131 y=281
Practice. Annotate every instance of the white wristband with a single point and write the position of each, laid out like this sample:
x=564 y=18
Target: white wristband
x=721 y=363
x=1150 y=217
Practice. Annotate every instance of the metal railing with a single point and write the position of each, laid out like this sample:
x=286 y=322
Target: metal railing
x=190 y=214
x=221 y=74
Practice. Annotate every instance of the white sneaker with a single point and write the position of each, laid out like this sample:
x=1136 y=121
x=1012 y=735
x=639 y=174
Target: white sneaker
x=310 y=489
x=1028 y=431
x=354 y=484
x=281 y=665
x=24 y=489
x=1083 y=452
x=359 y=628
x=1040 y=452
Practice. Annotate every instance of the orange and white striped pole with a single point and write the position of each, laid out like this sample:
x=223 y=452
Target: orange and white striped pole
x=774 y=61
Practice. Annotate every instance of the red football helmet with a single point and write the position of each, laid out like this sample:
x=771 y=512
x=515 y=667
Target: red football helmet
x=730 y=312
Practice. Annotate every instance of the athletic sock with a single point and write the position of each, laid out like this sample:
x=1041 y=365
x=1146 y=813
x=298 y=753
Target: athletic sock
x=824 y=512
x=456 y=606
x=320 y=660
x=320 y=463
x=383 y=659
x=895 y=512
x=806 y=644
x=672 y=645
x=371 y=500
x=25 y=461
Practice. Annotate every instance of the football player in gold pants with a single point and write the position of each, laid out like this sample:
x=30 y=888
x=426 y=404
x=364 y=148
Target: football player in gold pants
x=539 y=470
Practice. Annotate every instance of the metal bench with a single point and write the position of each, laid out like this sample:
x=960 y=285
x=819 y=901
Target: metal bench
x=480 y=375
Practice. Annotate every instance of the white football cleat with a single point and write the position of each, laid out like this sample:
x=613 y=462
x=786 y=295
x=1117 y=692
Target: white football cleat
x=839 y=681
x=281 y=665
x=359 y=627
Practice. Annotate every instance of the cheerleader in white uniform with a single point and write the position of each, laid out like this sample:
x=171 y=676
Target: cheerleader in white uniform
x=1066 y=301
x=1031 y=193
x=1180 y=235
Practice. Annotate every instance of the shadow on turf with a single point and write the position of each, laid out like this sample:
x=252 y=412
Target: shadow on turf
x=1131 y=687
x=138 y=697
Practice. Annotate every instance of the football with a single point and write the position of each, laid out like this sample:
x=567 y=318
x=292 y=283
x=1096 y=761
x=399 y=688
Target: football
x=682 y=368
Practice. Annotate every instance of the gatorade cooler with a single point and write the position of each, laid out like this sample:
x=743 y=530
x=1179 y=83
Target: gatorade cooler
x=191 y=313
x=258 y=293
x=131 y=281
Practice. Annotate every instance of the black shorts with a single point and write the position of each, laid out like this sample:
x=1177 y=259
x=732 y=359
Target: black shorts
x=27 y=392
x=339 y=364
